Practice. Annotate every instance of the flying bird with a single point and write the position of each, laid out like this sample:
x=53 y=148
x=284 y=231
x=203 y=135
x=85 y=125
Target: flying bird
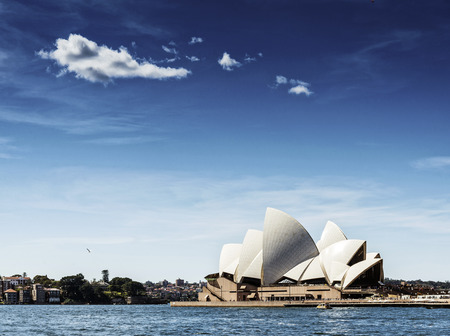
x=88 y=250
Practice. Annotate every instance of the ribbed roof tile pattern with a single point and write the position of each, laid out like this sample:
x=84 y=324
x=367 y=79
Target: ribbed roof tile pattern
x=335 y=258
x=286 y=244
x=252 y=245
x=255 y=268
x=230 y=252
x=357 y=269
x=331 y=234
x=296 y=272
x=314 y=271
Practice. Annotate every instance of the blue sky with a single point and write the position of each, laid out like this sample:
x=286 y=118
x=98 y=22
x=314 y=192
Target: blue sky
x=154 y=132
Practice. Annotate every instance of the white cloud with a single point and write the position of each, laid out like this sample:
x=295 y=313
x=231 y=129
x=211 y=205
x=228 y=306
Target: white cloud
x=171 y=60
x=437 y=162
x=193 y=58
x=195 y=40
x=281 y=80
x=73 y=124
x=299 y=89
x=298 y=86
x=298 y=82
x=170 y=50
x=228 y=63
x=249 y=59
x=97 y=63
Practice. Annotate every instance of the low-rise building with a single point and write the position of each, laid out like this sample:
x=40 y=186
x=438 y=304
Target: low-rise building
x=38 y=293
x=12 y=282
x=52 y=295
x=11 y=296
x=25 y=295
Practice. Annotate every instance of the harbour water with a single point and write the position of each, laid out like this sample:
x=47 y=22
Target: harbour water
x=164 y=320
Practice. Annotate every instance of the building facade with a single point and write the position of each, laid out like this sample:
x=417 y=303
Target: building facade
x=11 y=296
x=25 y=295
x=13 y=282
x=38 y=294
x=52 y=295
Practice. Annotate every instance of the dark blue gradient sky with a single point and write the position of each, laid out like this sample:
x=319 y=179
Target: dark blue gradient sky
x=155 y=175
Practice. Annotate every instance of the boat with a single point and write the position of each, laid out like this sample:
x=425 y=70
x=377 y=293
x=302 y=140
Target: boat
x=324 y=306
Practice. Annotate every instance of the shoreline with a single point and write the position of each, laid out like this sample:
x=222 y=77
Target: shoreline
x=313 y=304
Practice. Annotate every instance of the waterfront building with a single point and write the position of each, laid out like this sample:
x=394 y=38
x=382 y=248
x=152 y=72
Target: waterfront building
x=38 y=293
x=11 y=296
x=52 y=295
x=12 y=282
x=25 y=295
x=282 y=262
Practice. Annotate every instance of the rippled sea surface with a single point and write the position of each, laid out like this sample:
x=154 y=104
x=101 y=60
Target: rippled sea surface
x=164 y=320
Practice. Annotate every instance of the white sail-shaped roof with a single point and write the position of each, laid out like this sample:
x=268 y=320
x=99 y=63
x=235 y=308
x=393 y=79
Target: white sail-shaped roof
x=335 y=272
x=331 y=234
x=313 y=271
x=255 y=268
x=231 y=268
x=296 y=272
x=251 y=246
x=357 y=269
x=373 y=255
x=335 y=259
x=228 y=256
x=286 y=244
x=285 y=251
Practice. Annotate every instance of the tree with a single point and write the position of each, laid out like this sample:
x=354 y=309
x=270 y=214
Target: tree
x=87 y=291
x=44 y=280
x=105 y=275
x=71 y=287
x=100 y=296
x=133 y=288
x=115 y=285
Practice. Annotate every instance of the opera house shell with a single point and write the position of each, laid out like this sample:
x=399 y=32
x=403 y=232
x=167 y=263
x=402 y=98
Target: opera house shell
x=284 y=253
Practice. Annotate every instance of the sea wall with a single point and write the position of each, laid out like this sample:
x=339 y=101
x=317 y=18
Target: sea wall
x=306 y=304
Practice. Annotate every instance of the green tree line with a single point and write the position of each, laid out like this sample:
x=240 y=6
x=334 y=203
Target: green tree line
x=76 y=289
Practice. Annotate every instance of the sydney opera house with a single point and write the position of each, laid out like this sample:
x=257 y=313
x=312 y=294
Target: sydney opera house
x=284 y=263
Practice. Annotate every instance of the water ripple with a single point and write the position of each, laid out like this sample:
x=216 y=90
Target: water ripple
x=163 y=320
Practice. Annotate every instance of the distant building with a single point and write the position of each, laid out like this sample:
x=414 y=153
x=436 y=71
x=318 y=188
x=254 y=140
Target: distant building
x=11 y=296
x=25 y=295
x=38 y=294
x=52 y=295
x=102 y=285
x=12 y=282
x=179 y=282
